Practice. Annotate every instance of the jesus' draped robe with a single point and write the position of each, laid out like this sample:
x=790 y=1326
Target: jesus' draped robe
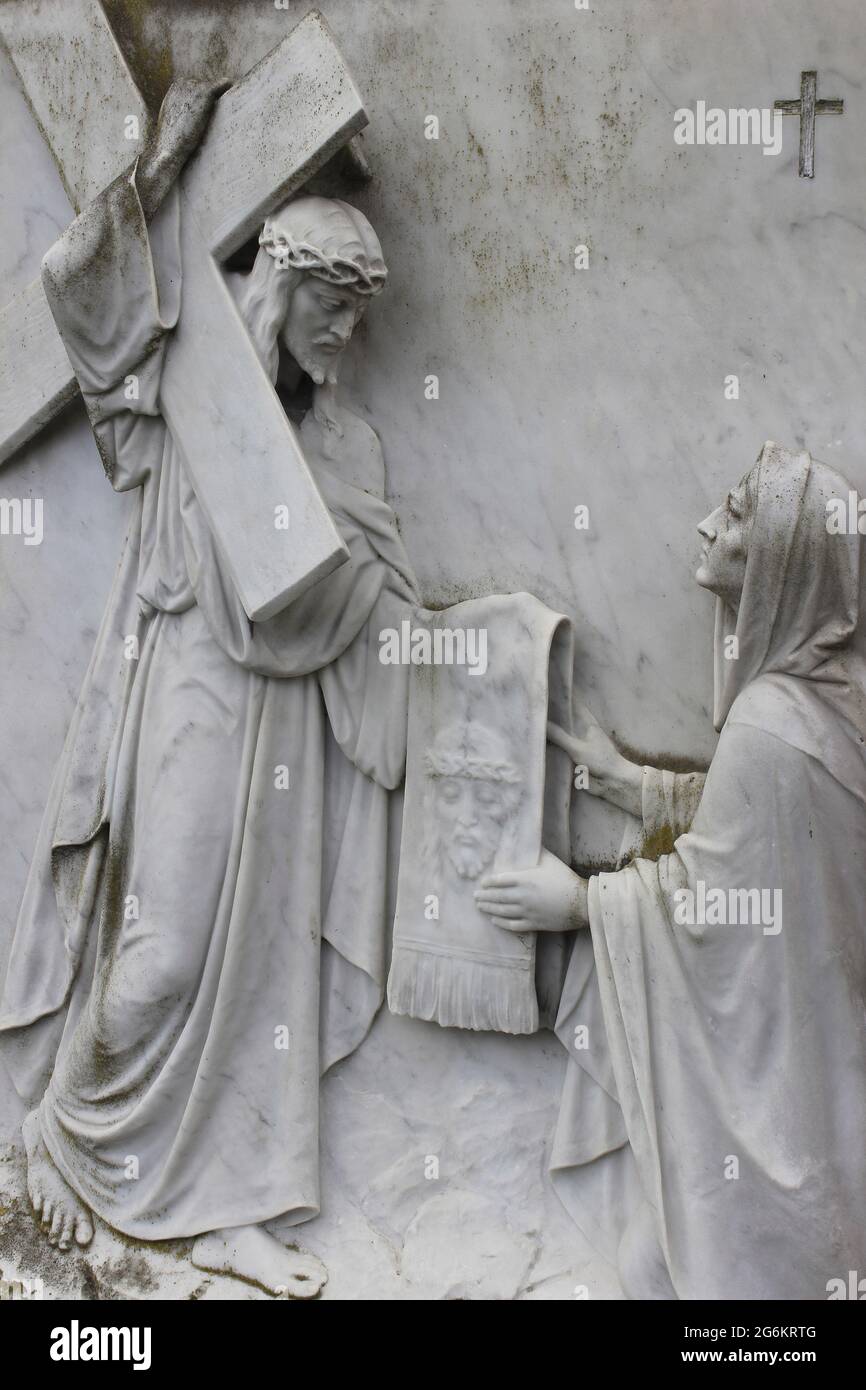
x=717 y=1101
x=197 y=941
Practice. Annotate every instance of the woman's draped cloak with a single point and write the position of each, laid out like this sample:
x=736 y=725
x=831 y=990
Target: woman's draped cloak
x=199 y=939
x=722 y=1077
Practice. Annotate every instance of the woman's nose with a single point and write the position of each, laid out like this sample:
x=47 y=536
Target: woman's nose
x=707 y=529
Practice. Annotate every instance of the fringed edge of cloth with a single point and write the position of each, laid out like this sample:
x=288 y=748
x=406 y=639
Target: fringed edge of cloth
x=457 y=992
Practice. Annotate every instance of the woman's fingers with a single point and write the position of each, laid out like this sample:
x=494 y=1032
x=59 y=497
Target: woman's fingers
x=578 y=749
x=511 y=924
x=494 y=882
x=583 y=715
x=585 y=724
x=558 y=736
x=500 y=908
x=500 y=895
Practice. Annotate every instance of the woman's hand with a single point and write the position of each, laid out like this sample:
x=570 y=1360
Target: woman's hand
x=609 y=774
x=549 y=897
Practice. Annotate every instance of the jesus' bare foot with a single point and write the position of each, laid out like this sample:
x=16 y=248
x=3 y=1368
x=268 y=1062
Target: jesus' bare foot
x=62 y=1216
x=252 y=1254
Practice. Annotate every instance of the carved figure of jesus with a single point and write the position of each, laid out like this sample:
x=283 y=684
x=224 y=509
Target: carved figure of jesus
x=203 y=931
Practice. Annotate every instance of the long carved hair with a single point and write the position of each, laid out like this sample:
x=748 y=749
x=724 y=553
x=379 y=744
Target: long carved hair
x=324 y=237
x=264 y=297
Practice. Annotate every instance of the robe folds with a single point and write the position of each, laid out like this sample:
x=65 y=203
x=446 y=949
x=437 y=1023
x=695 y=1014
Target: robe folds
x=204 y=927
x=716 y=1100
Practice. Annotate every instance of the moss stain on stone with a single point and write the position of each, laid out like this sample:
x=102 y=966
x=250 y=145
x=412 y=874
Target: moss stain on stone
x=145 y=44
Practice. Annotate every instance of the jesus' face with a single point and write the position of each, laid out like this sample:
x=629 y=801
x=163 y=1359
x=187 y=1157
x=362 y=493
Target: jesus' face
x=725 y=534
x=319 y=323
x=471 y=812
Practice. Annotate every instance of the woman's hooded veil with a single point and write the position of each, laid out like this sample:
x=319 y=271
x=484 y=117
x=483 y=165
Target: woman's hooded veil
x=800 y=672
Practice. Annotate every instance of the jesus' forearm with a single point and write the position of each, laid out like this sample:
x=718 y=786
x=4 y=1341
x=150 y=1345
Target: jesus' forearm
x=183 y=120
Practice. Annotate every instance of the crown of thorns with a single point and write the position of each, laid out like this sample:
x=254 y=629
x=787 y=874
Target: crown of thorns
x=337 y=270
x=468 y=765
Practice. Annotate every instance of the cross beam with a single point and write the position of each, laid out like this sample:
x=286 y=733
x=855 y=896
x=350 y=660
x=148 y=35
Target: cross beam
x=81 y=93
x=268 y=135
x=807 y=108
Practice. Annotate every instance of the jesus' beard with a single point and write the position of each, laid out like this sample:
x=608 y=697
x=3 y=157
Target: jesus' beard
x=470 y=861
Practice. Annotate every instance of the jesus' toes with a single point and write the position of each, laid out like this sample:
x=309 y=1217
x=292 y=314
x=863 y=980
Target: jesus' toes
x=58 y=1221
x=59 y=1212
x=64 y=1239
x=83 y=1230
x=253 y=1254
x=304 y=1276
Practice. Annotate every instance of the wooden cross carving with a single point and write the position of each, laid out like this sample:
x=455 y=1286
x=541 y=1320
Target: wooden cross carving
x=268 y=134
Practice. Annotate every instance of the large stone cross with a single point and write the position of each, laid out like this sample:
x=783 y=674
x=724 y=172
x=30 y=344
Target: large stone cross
x=267 y=136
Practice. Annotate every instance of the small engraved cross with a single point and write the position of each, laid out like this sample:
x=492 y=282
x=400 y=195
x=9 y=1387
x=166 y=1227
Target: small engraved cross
x=807 y=108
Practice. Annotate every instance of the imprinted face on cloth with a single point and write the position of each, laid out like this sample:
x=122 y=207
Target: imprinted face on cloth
x=476 y=791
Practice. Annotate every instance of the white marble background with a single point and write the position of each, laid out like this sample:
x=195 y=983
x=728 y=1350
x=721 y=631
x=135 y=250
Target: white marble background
x=557 y=387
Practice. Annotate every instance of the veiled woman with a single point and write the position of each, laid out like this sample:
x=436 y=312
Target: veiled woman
x=712 y=1138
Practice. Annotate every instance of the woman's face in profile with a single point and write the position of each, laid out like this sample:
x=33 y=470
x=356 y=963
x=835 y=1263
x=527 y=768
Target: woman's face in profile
x=725 y=533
